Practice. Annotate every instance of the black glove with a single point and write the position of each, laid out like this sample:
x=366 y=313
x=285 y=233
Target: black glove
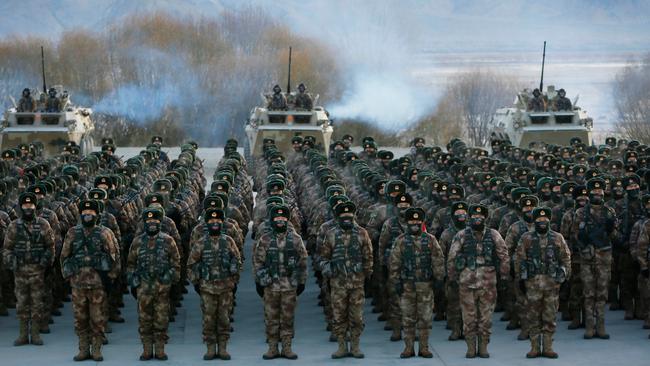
x=134 y=292
x=645 y=273
x=399 y=289
x=522 y=286
x=260 y=289
x=300 y=289
x=197 y=289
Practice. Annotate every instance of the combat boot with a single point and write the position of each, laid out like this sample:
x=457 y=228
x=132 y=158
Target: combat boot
x=397 y=333
x=600 y=328
x=272 y=352
x=575 y=320
x=211 y=354
x=513 y=323
x=44 y=327
x=354 y=348
x=548 y=346
x=471 y=346
x=97 y=349
x=147 y=351
x=84 y=349
x=455 y=333
x=482 y=346
x=342 y=351
x=23 y=338
x=221 y=350
x=523 y=334
x=409 y=350
x=160 y=350
x=589 y=327
x=423 y=345
x=286 y=349
x=34 y=334
x=534 y=347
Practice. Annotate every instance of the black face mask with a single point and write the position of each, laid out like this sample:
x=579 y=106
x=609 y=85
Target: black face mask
x=581 y=202
x=557 y=197
x=528 y=216
x=415 y=228
x=596 y=199
x=633 y=193
x=346 y=223
x=88 y=220
x=279 y=226
x=28 y=214
x=214 y=228
x=618 y=194
x=477 y=223
x=460 y=221
x=153 y=228
x=541 y=227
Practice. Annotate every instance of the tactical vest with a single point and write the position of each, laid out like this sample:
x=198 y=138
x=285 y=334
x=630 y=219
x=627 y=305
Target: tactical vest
x=87 y=251
x=416 y=268
x=153 y=263
x=593 y=233
x=272 y=262
x=395 y=230
x=346 y=258
x=29 y=247
x=215 y=263
x=538 y=263
x=466 y=258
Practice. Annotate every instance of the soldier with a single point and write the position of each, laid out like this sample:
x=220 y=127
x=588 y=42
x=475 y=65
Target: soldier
x=416 y=266
x=594 y=228
x=152 y=267
x=280 y=270
x=537 y=103
x=213 y=268
x=562 y=103
x=26 y=103
x=642 y=254
x=29 y=250
x=53 y=104
x=542 y=263
x=346 y=259
x=90 y=261
x=278 y=100
x=303 y=100
x=476 y=255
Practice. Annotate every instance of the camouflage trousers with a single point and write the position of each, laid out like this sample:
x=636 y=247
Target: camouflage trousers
x=347 y=311
x=628 y=272
x=30 y=295
x=454 y=318
x=477 y=306
x=520 y=308
x=279 y=314
x=542 y=298
x=644 y=297
x=393 y=309
x=576 y=295
x=595 y=275
x=216 y=309
x=416 y=304
x=326 y=297
x=153 y=312
x=88 y=309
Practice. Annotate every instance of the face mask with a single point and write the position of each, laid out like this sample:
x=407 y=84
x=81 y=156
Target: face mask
x=557 y=197
x=633 y=193
x=618 y=194
x=460 y=220
x=279 y=226
x=595 y=199
x=415 y=228
x=581 y=202
x=541 y=227
x=569 y=202
x=214 y=228
x=477 y=223
x=153 y=228
x=88 y=220
x=346 y=223
x=28 y=214
x=528 y=216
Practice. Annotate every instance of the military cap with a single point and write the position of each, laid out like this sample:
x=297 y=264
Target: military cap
x=108 y=147
x=567 y=187
x=335 y=200
x=344 y=208
x=97 y=194
x=275 y=184
x=152 y=198
x=611 y=141
x=630 y=168
x=367 y=139
x=232 y=142
x=274 y=200
x=414 y=213
x=459 y=205
x=632 y=179
x=541 y=212
x=348 y=137
x=9 y=154
x=220 y=185
x=478 y=210
x=213 y=201
x=89 y=205
x=103 y=179
x=528 y=200
x=162 y=185
x=579 y=169
x=153 y=213
x=37 y=189
x=541 y=182
x=579 y=191
x=615 y=164
x=517 y=193
x=27 y=197
x=395 y=186
x=403 y=198
x=595 y=183
x=296 y=140
x=369 y=145
x=385 y=154
x=280 y=211
x=456 y=189
x=72 y=171
x=268 y=141
x=334 y=189
x=418 y=140
x=194 y=144
x=645 y=199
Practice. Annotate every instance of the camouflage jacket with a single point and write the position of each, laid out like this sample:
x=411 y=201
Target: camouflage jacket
x=435 y=264
x=291 y=262
x=198 y=264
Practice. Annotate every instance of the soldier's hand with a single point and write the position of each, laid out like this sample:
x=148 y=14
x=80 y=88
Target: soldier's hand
x=197 y=288
x=134 y=292
x=522 y=286
x=300 y=289
x=645 y=273
x=260 y=289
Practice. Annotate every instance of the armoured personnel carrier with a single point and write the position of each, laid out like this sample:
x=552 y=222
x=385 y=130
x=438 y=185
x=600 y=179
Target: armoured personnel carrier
x=526 y=128
x=52 y=129
x=282 y=125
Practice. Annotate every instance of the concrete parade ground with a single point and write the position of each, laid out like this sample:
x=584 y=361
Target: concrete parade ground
x=629 y=344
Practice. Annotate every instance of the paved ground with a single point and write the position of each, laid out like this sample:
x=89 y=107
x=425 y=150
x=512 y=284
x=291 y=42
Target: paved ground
x=629 y=345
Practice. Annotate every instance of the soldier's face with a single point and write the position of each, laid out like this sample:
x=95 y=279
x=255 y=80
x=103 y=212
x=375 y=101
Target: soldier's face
x=28 y=206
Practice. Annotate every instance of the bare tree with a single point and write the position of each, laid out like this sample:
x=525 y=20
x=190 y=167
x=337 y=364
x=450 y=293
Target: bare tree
x=632 y=98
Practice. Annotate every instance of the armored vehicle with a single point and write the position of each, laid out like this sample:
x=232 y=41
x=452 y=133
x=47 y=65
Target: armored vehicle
x=526 y=128
x=52 y=129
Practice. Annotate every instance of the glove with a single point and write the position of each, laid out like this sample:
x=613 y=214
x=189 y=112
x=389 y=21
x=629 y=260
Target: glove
x=522 y=286
x=197 y=288
x=399 y=289
x=134 y=292
x=260 y=289
x=300 y=289
x=645 y=273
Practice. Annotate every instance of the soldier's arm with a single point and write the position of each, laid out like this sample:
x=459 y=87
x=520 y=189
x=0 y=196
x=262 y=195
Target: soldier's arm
x=575 y=224
x=565 y=255
x=50 y=242
x=366 y=246
x=259 y=255
x=504 y=226
x=193 y=258
x=302 y=259
x=565 y=226
x=111 y=246
x=395 y=261
x=325 y=251
x=116 y=230
x=451 y=257
x=132 y=259
x=384 y=239
x=512 y=233
x=174 y=260
x=67 y=244
x=8 y=246
x=520 y=254
x=502 y=253
x=437 y=260
x=643 y=242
